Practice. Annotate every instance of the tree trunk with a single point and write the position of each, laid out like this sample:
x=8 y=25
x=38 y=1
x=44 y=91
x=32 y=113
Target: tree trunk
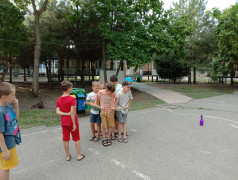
x=104 y=64
x=231 y=74
x=189 y=76
x=119 y=67
x=24 y=75
x=194 y=76
x=49 y=74
x=5 y=70
x=10 y=68
x=37 y=51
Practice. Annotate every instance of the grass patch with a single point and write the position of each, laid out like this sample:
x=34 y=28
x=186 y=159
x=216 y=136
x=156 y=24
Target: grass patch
x=32 y=118
x=143 y=101
x=198 y=91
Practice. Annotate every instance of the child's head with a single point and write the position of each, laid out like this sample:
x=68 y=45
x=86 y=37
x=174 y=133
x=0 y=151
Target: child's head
x=102 y=84
x=126 y=86
x=7 y=92
x=129 y=79
x=114 y=79
x=66 y=86
x=95 y=86
x=110 y=88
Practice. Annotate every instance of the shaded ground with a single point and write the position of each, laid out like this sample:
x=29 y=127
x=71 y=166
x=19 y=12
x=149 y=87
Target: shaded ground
x=141 y=100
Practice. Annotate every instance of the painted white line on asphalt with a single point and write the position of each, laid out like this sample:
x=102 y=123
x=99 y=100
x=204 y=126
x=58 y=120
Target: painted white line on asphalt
x=140 y=175
x=133 y=130
x=34 y=133
x=212 y=117
x=217 y=101
x=93 y=150
x=123 y=166
x=205 y=152
x=16 y=172
x=137 y=173
x=233 y=126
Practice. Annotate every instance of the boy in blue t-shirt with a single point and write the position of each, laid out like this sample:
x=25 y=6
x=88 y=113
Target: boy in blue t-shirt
x=9 y=129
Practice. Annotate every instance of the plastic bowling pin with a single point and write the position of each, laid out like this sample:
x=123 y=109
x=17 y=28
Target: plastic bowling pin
x=201 y=121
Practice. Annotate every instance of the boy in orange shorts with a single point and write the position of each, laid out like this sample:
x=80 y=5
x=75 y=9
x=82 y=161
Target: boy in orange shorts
x=9 y=129
x=107 y=104
x=65 y=107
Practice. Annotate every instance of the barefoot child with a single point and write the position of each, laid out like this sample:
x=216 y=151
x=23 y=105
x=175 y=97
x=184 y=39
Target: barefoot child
x=9 y=129
x=123 y=103
x=107 y=105
x=94 y=113
x=65 y=107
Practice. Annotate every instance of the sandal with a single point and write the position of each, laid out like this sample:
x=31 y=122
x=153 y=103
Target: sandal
x=120 y=140
x=113 y=138
x=109 y=142
x=104 y=143
x=96 y=139
x=81 y=157
x=92 y=138
x=125 y=140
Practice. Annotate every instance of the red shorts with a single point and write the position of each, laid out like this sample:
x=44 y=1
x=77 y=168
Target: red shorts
x=66 y=130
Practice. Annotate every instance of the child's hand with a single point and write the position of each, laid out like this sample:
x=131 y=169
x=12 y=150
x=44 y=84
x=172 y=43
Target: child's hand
x=15 y=102
x=127 y=106
x=74 y=127
x=6 y=155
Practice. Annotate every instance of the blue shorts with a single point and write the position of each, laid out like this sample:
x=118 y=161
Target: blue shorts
x=95 y=118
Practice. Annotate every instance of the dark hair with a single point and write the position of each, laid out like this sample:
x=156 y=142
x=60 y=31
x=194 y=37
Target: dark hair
x=110 y=87
x=65 y=85
x=125 y=83
x=6 y=88
x=113 y=78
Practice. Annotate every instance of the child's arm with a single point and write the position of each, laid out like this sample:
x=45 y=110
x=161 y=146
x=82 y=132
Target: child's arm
x=95 y=103
x=62 y=113
x=90 y=103
x=6 y=154
x=128 y=104
x=72 y=113
x=16 y=107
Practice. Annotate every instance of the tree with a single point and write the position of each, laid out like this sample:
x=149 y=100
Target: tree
x=37 y=52
x=12 y=33
x=195 y=11
x=227 y=38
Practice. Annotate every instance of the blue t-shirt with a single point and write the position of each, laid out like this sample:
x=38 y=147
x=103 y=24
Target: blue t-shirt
x=9 y=126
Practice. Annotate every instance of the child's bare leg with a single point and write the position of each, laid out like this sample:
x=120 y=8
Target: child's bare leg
x=98 y=130
x=93 y=130
x=124 y=130
x=66 y=148
x=109 y=133
x=104 y=133
x=119 y=130
x=77 y=145
x=4 y=174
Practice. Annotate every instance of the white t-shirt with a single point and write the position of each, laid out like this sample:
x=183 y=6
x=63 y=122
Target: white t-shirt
x=118 y=88
x=123 y=99
x=92 y=97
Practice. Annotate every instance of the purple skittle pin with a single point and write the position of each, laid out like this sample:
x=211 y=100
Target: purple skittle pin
x=201 y=121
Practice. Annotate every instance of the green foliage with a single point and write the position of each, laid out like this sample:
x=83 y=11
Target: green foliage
x=170 y=67
x=227 y=37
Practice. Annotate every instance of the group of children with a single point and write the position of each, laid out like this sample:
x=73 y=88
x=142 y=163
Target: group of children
x=109 y=108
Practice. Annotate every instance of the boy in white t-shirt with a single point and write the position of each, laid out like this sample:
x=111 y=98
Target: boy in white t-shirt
x=94 y=113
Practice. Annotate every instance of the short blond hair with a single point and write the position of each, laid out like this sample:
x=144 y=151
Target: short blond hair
x=95 y=83
x=6 y=88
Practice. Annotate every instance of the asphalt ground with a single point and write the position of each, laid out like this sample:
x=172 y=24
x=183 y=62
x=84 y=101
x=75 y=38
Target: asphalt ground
x=165 y=142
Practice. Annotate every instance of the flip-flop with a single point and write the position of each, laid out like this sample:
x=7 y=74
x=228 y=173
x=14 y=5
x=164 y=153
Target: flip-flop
x=109 y=142
x=69 y=158
x=96 y=139
x=81 y=157
x=92 y=138
x=120 y=140
x=125 y=140
x=113 y=138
